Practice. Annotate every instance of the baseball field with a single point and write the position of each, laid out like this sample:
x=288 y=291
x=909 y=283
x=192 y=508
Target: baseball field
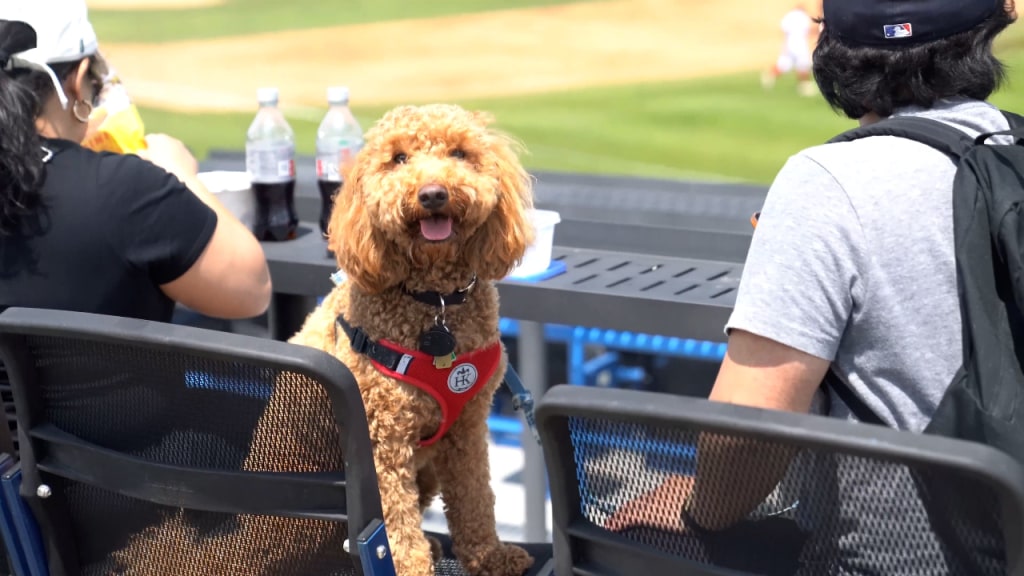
x=664 y=88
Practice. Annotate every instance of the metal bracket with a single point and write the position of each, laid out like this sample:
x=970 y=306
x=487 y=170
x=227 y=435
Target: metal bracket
x=374 y=551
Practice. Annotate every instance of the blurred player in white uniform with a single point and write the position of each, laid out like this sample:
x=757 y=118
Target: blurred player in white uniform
x=797 y=26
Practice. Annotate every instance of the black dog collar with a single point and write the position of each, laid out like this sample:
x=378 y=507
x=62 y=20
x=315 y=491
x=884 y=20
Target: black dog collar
x=438 y=300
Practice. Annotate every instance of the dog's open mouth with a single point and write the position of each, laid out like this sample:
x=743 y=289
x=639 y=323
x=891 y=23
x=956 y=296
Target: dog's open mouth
x=436 y=228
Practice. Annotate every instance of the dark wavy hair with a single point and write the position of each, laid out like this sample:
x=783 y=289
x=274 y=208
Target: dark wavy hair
x=859 y=79
x=22 y=94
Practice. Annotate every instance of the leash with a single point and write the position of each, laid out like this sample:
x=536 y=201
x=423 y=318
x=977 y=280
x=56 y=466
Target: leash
x=522 y=399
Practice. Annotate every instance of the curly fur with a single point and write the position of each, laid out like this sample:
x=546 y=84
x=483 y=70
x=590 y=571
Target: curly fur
x=374 y=232
x=377 y=208
x=375 y=235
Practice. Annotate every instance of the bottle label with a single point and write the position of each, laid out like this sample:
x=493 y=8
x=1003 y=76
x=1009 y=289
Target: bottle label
x=270 y=165
x=330 y=160
x=327 y=168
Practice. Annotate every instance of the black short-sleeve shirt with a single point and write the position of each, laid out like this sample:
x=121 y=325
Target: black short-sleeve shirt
x=112 y=228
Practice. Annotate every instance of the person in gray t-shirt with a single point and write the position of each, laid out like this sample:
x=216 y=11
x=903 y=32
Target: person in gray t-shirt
x=852 y=263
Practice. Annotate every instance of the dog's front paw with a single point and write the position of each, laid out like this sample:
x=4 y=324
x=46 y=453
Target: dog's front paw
x=502 y=560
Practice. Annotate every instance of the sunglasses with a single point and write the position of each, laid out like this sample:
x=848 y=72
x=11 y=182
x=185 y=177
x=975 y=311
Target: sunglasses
x=95 y=79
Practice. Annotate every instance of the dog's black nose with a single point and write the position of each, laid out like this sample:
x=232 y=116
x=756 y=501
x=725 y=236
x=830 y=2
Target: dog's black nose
x=433 y=197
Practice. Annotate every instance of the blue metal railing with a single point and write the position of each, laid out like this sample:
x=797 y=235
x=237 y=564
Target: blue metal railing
x=605 y=369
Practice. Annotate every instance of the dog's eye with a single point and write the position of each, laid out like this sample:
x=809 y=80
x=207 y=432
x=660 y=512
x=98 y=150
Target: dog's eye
x=458 y=153
x=399 y=158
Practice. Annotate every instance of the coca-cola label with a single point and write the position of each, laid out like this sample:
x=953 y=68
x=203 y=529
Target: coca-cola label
x=270 y=165
x=327 y=168
x=329 y=162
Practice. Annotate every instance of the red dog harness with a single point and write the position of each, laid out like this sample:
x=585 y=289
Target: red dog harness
x=451 y=387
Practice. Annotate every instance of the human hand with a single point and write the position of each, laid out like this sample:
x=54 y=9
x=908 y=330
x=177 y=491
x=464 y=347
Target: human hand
x=171 y=155
x=660 y=508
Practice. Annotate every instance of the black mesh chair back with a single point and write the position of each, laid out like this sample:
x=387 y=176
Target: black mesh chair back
x=9 y=423
x=8 y=445
x=646 y=483
x=149 y=448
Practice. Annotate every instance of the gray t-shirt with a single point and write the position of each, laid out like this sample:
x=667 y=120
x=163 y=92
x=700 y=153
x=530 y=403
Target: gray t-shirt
x=852 y=262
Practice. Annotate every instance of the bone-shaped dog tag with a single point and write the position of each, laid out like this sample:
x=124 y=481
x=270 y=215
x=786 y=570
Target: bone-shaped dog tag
x=444 y=362
x=438 y=341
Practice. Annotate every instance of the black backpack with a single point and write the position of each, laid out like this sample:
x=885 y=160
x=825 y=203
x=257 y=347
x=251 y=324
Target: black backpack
x=985 y=401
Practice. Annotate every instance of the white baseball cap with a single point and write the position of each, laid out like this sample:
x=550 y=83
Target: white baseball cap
x=63 y=34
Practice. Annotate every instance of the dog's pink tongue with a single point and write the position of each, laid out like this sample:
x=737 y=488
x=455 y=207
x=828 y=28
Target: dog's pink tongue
x=436 y=227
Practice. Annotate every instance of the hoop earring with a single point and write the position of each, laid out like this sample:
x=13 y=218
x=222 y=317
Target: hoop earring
x=79 y=117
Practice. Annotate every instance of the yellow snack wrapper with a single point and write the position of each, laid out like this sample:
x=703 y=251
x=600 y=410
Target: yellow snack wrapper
x=121 y=129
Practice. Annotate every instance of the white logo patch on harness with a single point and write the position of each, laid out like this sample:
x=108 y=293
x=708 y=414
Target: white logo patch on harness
x=462 y=378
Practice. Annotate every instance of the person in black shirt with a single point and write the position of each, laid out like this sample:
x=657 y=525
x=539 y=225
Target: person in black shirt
x=122 y=235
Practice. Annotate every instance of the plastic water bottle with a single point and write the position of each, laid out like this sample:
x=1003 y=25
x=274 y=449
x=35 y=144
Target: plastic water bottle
x=270 y=161
x=338 y=139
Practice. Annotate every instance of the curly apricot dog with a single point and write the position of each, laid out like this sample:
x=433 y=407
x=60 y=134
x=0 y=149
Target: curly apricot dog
x=433 y=211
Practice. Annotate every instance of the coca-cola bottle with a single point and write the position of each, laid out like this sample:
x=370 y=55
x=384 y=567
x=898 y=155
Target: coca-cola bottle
x=338 y=139
x=270 y=161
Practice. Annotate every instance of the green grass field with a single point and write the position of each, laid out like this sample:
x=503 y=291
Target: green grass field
x=724 y=127
x=721 y=128
x=238 y=17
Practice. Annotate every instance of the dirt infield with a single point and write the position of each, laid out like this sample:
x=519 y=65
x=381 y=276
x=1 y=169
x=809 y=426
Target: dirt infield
x=135 y=5
x=478 y=55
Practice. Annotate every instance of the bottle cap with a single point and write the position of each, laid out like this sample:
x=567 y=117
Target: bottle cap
x=337 y=95
x=267 y=96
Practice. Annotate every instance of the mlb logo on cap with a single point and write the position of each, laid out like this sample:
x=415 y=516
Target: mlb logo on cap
x=893 y=31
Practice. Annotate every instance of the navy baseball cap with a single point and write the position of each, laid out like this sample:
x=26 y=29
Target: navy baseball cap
x=897 y=23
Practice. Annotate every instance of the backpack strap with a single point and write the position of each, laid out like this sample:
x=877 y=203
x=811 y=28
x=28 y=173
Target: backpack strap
x=1015 y=120
x=1016 y=129
x=943 y=137
x=851 y=399
x=938 y=135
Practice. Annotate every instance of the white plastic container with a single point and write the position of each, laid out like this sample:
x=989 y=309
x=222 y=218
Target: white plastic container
x=538 y=256
x=234 y=190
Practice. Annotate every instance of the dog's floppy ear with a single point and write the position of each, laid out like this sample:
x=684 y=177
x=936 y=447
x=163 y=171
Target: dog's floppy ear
x=363 y=252
x=498 y=246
